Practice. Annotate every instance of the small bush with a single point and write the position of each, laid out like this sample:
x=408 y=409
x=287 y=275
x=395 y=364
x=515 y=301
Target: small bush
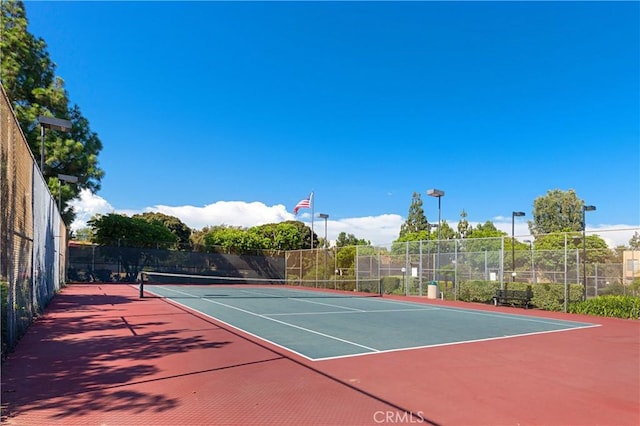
x=616 y=306
x=477 y=291
x=391 y=285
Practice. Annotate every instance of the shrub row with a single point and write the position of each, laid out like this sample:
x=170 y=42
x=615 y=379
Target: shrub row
x=616 y=306
x=549 y=297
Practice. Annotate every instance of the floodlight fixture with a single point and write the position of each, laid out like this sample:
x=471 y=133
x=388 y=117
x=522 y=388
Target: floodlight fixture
x=64 y=178
x=52 y=123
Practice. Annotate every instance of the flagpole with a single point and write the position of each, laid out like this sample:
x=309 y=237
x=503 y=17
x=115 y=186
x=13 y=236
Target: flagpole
x=312 y=215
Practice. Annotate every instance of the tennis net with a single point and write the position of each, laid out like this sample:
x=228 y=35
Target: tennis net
x=153 y=283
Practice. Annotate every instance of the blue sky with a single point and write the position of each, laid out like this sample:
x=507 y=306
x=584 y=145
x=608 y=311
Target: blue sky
x=231 y=112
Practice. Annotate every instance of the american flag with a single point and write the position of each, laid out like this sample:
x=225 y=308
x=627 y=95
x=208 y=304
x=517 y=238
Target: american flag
x=303 y=204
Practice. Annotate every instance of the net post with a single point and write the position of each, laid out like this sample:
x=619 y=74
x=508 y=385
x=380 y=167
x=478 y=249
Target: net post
x=141 y=279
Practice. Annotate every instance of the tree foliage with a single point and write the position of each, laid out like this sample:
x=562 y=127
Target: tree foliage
x=279 y=236
x=446 y=232
x=229 y=237
x=464 y=229
x=158 y=230
x=288 y=235
x=178 y=228
x=305 y=233
x=119 y=230
x=486 y=230
x=557 y=211
x=345 y=240
x=28 y=76
x=345 y=259
x=416 y=219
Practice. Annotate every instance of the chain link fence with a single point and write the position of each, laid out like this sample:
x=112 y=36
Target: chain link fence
x=94 y=263
x=330 y=268
x=32 y=234
x=408 y=267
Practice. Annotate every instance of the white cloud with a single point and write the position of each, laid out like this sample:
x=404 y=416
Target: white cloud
x=87 y=206
x=380 y=230
x=613 y=235
x=233 y=213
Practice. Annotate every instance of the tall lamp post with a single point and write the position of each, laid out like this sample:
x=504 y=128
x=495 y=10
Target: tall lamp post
x=54 y=124
x=513 y=243
x=533 y=267
x=486 y=274
x=438 y=194
x=64 y=178
x=68 y=179
x=325 y=217
x=585 y=209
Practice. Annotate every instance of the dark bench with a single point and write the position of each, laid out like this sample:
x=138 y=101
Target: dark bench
x=521 y=297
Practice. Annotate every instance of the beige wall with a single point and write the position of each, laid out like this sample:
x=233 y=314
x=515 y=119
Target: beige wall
x=630 y=265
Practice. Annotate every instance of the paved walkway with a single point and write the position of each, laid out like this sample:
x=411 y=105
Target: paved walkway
x=102 y=356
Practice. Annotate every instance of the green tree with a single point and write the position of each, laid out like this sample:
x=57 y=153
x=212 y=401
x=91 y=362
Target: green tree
x=486 y=230
x=178 y=228
x=134 y=240
x=346 y=249
x=83 y=234
x=558 y=211
x=483 y=240
x=28 y=76
x=119 y=230
x=550 y=250
x=464 y=229
x=279 y=236
x=416 y=219
x=232 y=238
x=446 y=232
x=345 y=240
x=197 y=238
x=305 y=232
x=416 y=236
x=634 y=242
x=289 y=235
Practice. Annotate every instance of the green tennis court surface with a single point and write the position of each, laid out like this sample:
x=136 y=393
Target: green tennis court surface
x=320 y=326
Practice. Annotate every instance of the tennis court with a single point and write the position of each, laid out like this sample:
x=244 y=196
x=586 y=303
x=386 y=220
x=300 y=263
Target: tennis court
x=102 y=355
x=321 y=325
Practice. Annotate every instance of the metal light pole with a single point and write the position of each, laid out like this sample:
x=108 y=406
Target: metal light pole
x=69 y=179
x=54 y=124
x=325 y=217
x=513 y=244
x=486 y=272
x=64 y=178
x=585 y=209
x=533 y=268
x=438 y=194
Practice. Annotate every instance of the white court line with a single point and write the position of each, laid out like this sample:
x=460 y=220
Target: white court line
x=300 y=299
x=564 y=323
x=373 y=311
x=487 y=339
x=470 y=311
x=326 y=304
x=278 y=321
x=303 y=300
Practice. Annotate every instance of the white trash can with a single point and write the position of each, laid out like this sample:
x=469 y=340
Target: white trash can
x=432 y=290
